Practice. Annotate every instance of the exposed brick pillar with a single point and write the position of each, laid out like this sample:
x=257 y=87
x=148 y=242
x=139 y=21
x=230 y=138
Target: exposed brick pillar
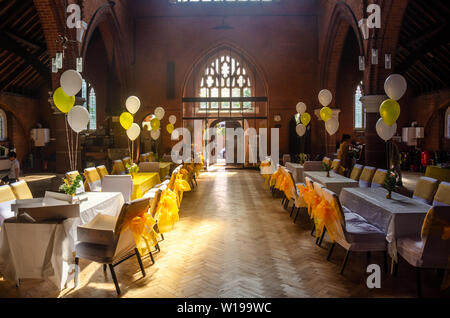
x=375 y=146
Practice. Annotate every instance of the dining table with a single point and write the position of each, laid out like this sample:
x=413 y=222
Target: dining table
x=46 y=249
x=397 y=217
x=335 y=182
x=144 y=181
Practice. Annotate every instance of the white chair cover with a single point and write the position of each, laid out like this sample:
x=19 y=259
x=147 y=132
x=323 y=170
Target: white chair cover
x=123 y=184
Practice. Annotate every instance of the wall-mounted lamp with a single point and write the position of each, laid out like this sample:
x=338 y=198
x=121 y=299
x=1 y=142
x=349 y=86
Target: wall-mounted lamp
x=387 y=61
x=277 y=118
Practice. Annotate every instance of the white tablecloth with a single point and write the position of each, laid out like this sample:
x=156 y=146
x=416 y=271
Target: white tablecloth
x=47 y=250
x=334 y=183
x=297 y=171
x=397 y=217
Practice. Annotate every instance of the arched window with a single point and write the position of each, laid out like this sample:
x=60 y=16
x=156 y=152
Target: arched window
x=90 y=102
x=447 y=123
x=225 y=77
x=3 y=125
x=358 y=109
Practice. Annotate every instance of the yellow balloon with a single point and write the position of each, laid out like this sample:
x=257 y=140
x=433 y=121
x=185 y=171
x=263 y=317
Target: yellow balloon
x=170 y=128
x=305 y=118
x=155 y=123
x=126 y=120
x=326 y=113
x=390 y=111
x=63 y=101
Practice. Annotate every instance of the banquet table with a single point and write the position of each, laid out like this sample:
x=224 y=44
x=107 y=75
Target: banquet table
x=142 y=182
x=334 y=183
x=397 y=217
x=46 y=250
x=297 y=171
x=164 y=169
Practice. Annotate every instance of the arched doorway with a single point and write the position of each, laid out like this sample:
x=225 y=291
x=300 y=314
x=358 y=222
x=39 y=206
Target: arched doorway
x=225 y=87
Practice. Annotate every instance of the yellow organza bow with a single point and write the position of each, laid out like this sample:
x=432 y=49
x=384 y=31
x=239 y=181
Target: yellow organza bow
x=167 y=211
x=180 y=186
x=327 y=216
x=274 y=177
x=264 y=164
x=143 y=233
x=287 y=186
x=280 y=179
x=310 y=197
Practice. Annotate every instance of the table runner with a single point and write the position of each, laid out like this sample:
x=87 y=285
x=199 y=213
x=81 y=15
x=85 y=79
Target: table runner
x=334 y=183
x=142 y=182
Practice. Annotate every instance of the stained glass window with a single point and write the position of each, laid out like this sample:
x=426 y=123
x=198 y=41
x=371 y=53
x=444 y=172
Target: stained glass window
x=359 y=114
x=90 y=102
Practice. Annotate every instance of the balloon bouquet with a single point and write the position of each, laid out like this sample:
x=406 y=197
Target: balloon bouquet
x=326 y=113
x=305 y=118
x=395 y=87
x=76 y=116
x=126 y=120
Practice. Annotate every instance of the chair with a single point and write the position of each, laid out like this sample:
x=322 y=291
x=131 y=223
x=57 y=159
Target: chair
x=102 y=171
x=357 y=236
x=356 y=172
x=126 y=160
x=21 y=190
x=432 y=248
x=72 y=175
x=425 y=190
x=118 y=168
x=149 y=167
x=336 y=166
x=442 y=196
x=93 y=179
x=378 y=178
x=103 y=240
x=144 y=157
x=366 y=177
x=123 y=184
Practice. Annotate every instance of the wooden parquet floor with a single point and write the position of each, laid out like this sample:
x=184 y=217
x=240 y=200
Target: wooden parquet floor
x=235 y=240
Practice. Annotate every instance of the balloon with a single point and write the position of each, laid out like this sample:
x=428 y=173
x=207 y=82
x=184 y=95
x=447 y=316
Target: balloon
x=126 y=120
x=155 y=123
x=326 y=113
x=133 y=104
x=155 y=134
x=175 y=135
x=332 y=126
x=301 y=108
x=325 y=97
x=172 y=119
x=384 y=131
x=305 y=118
x=78 y=118
x=134 y=131
x=390 y=111
x=300 y=129
x=63 y=101
x=395 y=86
x=159 y=113
x=170 y=128
x=71 y=82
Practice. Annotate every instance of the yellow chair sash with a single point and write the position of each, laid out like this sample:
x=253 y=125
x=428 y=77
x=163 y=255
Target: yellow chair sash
x=143 y=233
x=433 y=224
x=274 y=177
x=21 y=190
x=327 y=215
x=180 y=186
x=167 y=211
x=287 y=186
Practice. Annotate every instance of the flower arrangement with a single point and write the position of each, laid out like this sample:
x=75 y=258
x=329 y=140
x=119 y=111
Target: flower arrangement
x=391 y=182
x=132 y=168
x=326 y=167
x=70 y=185
x=303 y=157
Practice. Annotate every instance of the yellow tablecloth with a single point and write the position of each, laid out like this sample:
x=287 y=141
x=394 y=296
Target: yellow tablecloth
x=142 y=182
x=435 y=172
x=164 y=169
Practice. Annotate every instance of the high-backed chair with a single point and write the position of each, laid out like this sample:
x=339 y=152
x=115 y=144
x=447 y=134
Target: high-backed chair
x=21 y=190
x=354 y=236
x=102 y=171
x=118 y=168
x=366 y=177
x=123 y=184
x=356 y=172
x=72 y=175
x=337 y=167
x=432 y=248
x=105 y=241
x=425 y=190
x=442 y=196
x=378 y=178
x=149 y=167
x=126 y=160
x=93 y=179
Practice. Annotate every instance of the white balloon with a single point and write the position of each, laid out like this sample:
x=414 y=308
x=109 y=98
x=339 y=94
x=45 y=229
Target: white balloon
x=395 y=86
x=78 y=118
x=159 y=113
x=332 y=126
x=325 y=97
x=301 y=108
x=155 y=134
x=172 y=119
x=71 y=82
x=133 y=104
x=384 y=131
x=300 y=129
x=134 y=131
